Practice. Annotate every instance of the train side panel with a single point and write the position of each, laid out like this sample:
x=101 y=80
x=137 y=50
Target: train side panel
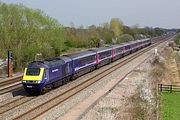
x=127 y=49
x=83 y=62
x=55 y=73
x=118 y=52
x=104 y=56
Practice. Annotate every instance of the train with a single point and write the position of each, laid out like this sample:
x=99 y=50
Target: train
x=50 y=73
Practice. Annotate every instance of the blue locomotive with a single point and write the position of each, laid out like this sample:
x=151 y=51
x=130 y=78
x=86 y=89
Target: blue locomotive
x=50 y=73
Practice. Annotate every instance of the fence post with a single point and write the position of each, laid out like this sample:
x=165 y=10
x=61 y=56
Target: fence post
x=161 y=87
x=171 y=88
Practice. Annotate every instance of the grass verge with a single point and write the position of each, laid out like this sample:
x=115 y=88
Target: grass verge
x=170 y=106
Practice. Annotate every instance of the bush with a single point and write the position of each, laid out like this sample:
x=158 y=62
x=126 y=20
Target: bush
x=157 y=72
x=160 y=67
x=177 y=39
x=125 y=38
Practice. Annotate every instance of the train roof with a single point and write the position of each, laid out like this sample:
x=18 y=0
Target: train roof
x=81 y=54
x=135 y=41
x=128 y=43
x=117 y=45
x=145 y=39
x=54 y=61
x=101 y=49
x=65 y=58
x=38 y=64
x=50 y=62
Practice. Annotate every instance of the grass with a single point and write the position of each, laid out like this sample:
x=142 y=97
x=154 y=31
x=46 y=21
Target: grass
x=170 y=108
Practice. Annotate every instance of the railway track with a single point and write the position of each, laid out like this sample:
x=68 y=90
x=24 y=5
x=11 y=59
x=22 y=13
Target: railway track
x=10 y=88
x=10 y=81
x=10 y=105
x=51 y=103
x=10 y=84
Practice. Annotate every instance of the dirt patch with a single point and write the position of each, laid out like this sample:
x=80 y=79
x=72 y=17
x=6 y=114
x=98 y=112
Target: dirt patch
x=131 y=99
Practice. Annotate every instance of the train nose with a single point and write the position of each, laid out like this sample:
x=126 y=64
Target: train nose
x=30 y=88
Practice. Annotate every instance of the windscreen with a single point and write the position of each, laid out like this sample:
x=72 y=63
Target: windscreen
x=33 y=71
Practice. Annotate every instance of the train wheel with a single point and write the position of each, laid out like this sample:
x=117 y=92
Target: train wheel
x=98 y=66
x=74 y=76
x=92 y=68
x=64 y=81
x=67 y=79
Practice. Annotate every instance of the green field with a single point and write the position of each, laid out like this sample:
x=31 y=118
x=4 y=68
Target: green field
x=170 y=106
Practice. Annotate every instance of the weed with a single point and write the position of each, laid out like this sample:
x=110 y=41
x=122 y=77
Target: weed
x=107 y=109
x=157 y=72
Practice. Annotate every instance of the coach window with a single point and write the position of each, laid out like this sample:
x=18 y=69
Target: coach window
x=120 y=49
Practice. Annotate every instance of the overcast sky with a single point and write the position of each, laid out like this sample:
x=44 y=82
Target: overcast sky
x=152 y=13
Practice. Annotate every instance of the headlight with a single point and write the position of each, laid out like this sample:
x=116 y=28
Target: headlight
x=23 y=81
x=38 y=81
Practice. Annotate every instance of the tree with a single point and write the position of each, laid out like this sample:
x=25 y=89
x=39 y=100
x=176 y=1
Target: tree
x=94 y=37
x=128 y=30
x=105 y=33
x=125 y=38
x=158 y=31
x=116 y=27
x=177 y=39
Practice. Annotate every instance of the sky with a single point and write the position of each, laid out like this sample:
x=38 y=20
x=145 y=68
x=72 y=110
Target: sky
x=152 y=13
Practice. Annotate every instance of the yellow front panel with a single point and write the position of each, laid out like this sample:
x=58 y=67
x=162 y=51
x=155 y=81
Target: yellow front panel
x=39 y=77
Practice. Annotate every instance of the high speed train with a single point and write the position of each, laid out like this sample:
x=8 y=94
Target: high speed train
x=50 y=73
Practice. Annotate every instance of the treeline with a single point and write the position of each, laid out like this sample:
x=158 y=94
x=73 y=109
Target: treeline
x=27 y=32
x=111 y=33
x=177 y=39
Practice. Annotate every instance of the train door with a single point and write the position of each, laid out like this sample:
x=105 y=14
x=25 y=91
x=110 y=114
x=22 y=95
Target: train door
x=112 y=54
x=68 y=69
x=46 y=75
x=64 y=70
x=123 y=49
x=97 y=58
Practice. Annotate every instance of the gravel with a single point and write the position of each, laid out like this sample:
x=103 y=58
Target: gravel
x=5 y=98
x=116 y=101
